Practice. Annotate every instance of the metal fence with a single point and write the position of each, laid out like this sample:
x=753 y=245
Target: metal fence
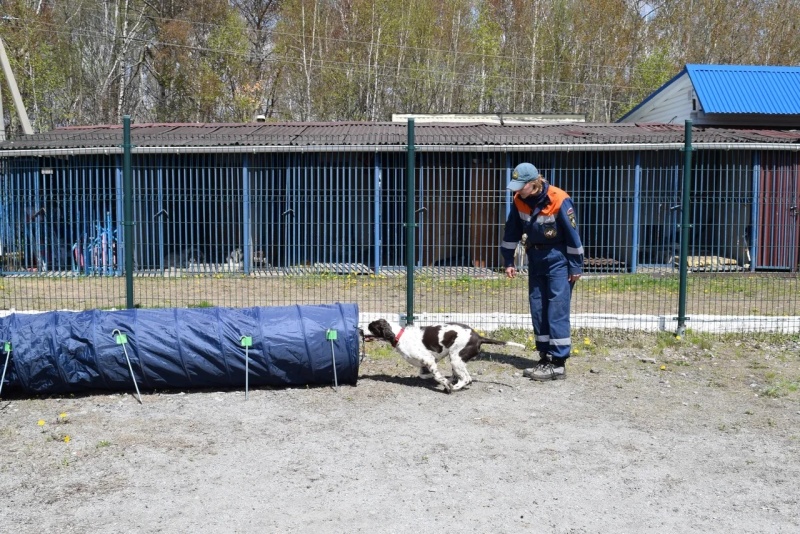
x=284 y=226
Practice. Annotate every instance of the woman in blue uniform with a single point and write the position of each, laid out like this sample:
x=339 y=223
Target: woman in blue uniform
x=546 y=215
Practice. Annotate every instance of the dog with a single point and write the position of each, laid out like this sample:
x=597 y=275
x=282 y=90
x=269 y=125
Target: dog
x=426 y=345
x=234 y=259
x=183 y=258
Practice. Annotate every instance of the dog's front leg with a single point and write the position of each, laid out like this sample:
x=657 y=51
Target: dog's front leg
x=438 y=376
x=460 y=371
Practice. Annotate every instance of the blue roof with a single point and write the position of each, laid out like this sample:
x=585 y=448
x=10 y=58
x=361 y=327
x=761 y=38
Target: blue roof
x=747 y=88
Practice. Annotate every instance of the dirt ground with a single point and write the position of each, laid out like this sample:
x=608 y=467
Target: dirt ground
x=647 y=434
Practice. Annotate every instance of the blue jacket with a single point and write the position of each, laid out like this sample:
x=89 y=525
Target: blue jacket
x=547 y=219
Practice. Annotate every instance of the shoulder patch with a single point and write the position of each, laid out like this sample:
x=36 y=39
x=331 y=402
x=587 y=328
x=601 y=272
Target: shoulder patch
x=570 y=211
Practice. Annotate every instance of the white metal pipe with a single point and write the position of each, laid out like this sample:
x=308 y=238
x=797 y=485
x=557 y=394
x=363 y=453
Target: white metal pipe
x=12 y=84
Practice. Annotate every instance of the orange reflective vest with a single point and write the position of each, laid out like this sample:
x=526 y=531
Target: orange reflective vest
x=555 y=195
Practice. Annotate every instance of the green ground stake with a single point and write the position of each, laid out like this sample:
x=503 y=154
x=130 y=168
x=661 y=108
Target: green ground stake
x=122 y=339
x=7 y=349
x=247 y=342
x=331 y=335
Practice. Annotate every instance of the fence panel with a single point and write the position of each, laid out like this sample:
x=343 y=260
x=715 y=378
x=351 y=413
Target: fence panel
x=284 y=226
x=61 y=222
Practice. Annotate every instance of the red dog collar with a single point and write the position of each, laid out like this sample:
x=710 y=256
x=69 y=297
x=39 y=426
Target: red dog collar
x=397 y=337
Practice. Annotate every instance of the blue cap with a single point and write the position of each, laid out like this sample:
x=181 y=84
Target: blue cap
x=524 y=173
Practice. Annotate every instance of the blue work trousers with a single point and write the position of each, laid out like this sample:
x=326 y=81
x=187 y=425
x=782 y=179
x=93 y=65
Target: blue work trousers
x=550 y=293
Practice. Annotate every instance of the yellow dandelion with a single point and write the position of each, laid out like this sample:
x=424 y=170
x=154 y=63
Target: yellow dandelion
x=530 y=338
x=66 y=439
x=586 y=341
x=576 y=351
x=63 y=415
x=677 y=337
x=41 y=422
x=663 y=367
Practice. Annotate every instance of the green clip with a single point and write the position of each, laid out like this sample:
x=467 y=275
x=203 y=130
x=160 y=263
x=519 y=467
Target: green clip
x=247 y=341
x=331 y=335
x=121 y=339
x=7 y=347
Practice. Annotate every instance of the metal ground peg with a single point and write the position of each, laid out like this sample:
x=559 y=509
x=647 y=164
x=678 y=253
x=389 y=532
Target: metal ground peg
x=122 y=339
x=7 y=350
x=331 y=335
x=247 y=342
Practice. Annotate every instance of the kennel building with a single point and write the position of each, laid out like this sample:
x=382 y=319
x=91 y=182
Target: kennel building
x=278 y=198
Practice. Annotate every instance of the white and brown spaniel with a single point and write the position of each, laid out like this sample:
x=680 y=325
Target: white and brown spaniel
x=424 y=346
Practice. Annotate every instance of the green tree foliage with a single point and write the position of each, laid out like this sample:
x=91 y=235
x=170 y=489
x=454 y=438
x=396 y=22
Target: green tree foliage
x=653 y=70
x=93 y=61
x=39 y=57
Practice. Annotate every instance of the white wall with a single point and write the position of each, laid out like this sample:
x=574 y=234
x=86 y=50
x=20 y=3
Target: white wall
x=672 y=105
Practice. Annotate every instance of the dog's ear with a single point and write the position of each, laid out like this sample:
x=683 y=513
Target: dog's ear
x=373 y=328
x=387 y=330
x=379 y=327
x=382 y=329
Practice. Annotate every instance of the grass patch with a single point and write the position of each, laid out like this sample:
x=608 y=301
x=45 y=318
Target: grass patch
x=633 y=283
x=781 y=388
x=753 y=338
x=666 y=340
x=380 y=351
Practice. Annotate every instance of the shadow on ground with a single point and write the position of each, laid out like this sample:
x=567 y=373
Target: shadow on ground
x=512 y=360
x=411 y=381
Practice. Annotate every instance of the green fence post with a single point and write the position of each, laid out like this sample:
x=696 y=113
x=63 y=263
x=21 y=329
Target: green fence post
x=411 y=225
x=685 y=226
x=127 y=208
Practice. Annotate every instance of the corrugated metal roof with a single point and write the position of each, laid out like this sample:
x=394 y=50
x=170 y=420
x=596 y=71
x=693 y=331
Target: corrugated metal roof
x=747 y=89
x=383 y=134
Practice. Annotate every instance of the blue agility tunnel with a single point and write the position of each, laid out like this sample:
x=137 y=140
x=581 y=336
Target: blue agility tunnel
x=62 y=352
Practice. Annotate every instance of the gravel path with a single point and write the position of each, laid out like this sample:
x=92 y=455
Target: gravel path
x=708 y=443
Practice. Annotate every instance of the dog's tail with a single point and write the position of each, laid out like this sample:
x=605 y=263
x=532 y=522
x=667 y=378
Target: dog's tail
x=490 y=341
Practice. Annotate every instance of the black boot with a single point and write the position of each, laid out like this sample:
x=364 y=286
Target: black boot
x=544 y=359
x=553 y=369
